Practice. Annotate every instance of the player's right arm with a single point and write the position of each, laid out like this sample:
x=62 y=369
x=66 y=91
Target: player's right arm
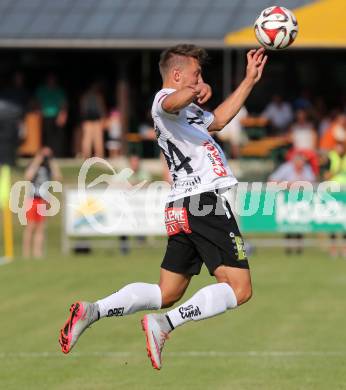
x=177 y=100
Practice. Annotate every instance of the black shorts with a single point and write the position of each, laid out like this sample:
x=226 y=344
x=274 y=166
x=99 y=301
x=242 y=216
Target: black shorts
x=202 y=229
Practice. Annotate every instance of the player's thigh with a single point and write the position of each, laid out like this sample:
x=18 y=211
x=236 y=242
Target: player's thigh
x=238 y=278
x=173 y=286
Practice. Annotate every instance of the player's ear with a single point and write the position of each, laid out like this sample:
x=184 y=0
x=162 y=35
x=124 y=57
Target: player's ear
x=176 y=75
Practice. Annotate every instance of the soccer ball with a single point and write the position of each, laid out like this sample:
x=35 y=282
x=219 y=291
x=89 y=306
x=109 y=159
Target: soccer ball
x=276 y=28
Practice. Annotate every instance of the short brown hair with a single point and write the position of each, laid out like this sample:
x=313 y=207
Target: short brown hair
x=182 y=50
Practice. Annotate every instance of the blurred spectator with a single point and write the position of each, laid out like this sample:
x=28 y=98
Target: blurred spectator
x=138 y=176
x=43 y=168
x=304 y=139
x=303 y=101
x=17 y=93
x=52 y=101
x=146 y=130
x=279 y=114
x=302 y=133
x=10 y=124
x=233 y=133
x=147 y=134
x=114 y=127
x=319 y=114
x=336 y=171
x=334 y=134
x=93 y=113
x=325 y=121
x=292 y=171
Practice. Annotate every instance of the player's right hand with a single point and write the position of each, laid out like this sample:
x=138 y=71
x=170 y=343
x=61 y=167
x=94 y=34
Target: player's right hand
x=204 y=92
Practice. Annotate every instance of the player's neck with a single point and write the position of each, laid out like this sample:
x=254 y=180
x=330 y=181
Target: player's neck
x=168 y=84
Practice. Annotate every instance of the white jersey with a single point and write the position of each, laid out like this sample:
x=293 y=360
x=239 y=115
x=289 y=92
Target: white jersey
x=196 y=162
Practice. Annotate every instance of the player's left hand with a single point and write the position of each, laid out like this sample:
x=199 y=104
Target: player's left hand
x=256 y=60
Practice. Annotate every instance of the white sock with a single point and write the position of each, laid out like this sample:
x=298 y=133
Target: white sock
x=207 y=302
x=130 y=299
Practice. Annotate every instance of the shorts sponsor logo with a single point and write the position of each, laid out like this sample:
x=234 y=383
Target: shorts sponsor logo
x=189 y=311
x=176 y=220
x=238 y=246
x=116 y=312
x=215 y=159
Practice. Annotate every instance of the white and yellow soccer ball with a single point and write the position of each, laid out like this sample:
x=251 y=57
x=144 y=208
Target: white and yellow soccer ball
x=276 y=28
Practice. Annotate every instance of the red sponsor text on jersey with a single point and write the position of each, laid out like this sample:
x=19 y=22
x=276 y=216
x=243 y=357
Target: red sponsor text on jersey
x=215 y=159
x=176 y=220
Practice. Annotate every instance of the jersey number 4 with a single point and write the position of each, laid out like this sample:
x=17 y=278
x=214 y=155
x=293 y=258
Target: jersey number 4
x=174 y=155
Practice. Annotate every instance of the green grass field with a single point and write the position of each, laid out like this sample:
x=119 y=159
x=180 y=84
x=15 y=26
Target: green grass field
x=291 y=335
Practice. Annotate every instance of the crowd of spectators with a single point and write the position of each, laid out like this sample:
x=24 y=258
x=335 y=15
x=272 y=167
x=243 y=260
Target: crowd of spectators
x=306 y=126
x=317 y=150
x=306 y=123
x=94 y=130
x=313 y=131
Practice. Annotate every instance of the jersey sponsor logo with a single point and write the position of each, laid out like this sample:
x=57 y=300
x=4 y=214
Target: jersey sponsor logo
x=188 y=184
x=176 y=220
x=215 y=159
x=116 y=312
x=189 y=311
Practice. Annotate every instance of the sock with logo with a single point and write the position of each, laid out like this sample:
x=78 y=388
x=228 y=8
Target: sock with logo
x=207 y=302
x=130 y=299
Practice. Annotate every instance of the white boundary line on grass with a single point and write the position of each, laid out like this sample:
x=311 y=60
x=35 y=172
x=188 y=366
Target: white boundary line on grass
x=198 y=354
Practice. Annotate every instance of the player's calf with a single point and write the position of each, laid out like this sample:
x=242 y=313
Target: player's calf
x=208 y=302
x=172 y=286
x=238 y=279
x=169 y=298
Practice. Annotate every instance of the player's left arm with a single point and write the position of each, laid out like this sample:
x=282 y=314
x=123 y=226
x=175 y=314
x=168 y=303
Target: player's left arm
x=256 y=60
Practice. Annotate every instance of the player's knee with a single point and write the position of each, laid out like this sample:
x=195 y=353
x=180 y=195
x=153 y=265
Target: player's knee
x=169 y=298
x=243 y=293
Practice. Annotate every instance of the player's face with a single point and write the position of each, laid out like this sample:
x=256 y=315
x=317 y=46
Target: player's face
x=190 y=73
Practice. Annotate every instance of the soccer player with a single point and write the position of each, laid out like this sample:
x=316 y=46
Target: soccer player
x=200 y=225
